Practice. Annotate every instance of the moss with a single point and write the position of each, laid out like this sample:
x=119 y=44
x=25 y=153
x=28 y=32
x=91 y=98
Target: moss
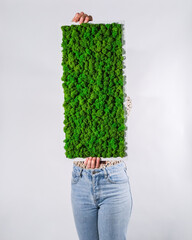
x=92 y=82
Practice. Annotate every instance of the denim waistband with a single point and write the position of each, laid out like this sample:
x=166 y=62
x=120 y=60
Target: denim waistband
x=111 y=168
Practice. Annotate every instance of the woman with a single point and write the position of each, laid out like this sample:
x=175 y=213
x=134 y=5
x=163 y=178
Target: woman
x=100 y=192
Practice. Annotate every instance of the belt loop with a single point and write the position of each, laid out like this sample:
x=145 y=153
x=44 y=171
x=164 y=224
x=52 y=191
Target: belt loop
x=81 y=172
x=125 y=165
x=105 y=171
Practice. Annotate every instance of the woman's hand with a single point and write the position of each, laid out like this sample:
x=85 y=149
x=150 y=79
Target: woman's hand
x=82 y=17
x=92 y=162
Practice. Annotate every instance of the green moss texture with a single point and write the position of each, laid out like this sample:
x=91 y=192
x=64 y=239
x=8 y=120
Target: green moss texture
x=92 y=81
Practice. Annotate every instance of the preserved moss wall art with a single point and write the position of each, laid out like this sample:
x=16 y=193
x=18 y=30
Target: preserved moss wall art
x=92 y=81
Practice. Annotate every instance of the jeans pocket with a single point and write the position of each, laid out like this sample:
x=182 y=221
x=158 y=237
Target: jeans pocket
x=118 y=176
x=75 y=176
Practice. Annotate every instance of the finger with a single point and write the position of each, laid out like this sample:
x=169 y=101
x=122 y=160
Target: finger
x=75 y=17
x=93 y=162
x=85 y=162
x=97 y=162
x=82 y=18
x=88 y=18
x=89 y=162
x=89 y=159
x=79 y=16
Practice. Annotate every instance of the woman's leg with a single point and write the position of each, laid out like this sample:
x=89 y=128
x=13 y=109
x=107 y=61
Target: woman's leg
x=115 y=205
x=85 y=211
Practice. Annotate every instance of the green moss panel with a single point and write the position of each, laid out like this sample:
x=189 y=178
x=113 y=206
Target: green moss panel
x=92 y=82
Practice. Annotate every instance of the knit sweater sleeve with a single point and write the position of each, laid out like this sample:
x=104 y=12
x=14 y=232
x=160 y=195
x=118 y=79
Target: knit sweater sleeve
x=128 y=105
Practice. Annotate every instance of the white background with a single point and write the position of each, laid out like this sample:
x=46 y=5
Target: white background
x=34 y=173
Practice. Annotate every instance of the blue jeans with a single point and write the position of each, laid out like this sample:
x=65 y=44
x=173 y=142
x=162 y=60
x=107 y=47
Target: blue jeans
x=101 y=202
